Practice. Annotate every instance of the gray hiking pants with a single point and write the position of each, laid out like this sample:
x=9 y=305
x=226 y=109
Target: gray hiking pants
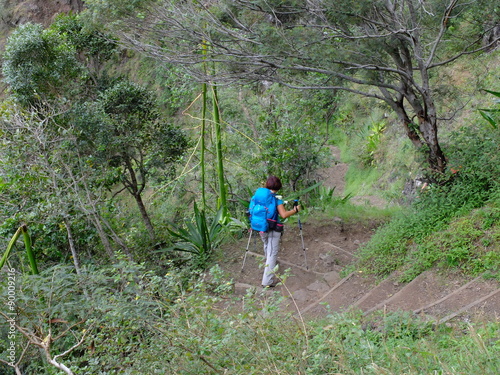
x=271 y=242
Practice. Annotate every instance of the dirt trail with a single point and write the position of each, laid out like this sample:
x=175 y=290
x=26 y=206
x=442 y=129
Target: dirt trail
x=315 y=286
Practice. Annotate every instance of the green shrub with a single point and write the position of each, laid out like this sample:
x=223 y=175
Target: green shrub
x=292 y=152
x=38 y=64
x=130 y=321
x=415 y=237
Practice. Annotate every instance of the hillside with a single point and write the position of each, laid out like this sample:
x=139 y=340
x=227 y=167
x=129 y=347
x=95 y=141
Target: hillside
x=319 y=284
x=330 y=246
x=124 y=170
x=16 y=12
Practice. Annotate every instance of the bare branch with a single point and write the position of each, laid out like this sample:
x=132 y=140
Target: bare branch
x=442 y=30
x=466 y=52
x=82 y=339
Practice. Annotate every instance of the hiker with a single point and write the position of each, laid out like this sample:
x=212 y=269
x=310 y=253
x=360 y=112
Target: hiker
x=268 y=225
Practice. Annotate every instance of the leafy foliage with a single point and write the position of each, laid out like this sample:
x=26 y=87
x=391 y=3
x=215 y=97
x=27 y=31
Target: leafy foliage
x=27 y=244
x=41 y=170
x=116 y=318
x=492 y=115
x=38 y=65
x=112 y=132
x=292 y=153
x=94 y=47
x=124 y=315
x=200 y=238
x=386 y=51
x=471 y=183
x=129 y=134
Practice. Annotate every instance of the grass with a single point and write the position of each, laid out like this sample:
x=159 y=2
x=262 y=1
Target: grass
x=351 y=213
x=416 y=241
x=469 y=243
x=454 y=223
x=361 y=181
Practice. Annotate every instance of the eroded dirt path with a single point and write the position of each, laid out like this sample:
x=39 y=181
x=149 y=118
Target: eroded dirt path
x=318 y=284
x=321 y=287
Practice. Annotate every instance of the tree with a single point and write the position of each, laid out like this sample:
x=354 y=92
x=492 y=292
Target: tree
x=64 y=61
x=126 y=135
x=39 y=66
x=289 y=150
x=47 y=72
x=38 y=159
x=384 y=50
x=93 y=48
x=112 y=125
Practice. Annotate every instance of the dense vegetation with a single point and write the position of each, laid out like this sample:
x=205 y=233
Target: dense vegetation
x=129 y=151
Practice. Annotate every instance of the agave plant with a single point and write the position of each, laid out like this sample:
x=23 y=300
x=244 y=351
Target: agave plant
x=491 y=114
x=199 y=237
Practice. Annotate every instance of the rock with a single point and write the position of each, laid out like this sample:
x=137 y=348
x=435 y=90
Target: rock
x=332 y=278
x=301 y=295
x=243 y=286
x=328 y=259
x=318 y=286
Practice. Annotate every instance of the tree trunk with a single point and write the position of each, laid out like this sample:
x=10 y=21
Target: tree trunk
x=419 y=98
x=145 y=216
x=117 y=238
x=94 y=218
x=425 y=133
x=136 y=189
x=76 y=5
x=435 y=156
x=71 y=242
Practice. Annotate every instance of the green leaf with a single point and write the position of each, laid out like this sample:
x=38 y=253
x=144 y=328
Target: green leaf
x=488 y=118
x=297 y=194
x=198 y=237
x=27 y=243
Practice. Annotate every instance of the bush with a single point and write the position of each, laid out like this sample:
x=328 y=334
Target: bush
x=132 y=321
x=292 y=153
x=471 y=183
x=38 y=64
x=199 y=238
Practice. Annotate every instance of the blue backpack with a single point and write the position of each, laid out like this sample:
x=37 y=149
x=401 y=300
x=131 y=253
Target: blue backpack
x=263 y=210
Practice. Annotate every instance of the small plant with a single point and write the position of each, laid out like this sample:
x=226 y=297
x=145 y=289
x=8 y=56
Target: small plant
x=492 y=114
x=327 y=198
x=373 y=141
x=200 y=237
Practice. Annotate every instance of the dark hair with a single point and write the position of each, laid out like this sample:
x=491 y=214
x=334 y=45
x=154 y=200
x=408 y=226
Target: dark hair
x=273 y=183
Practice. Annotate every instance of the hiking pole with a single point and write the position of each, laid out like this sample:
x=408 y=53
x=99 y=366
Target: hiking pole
x=246 y=252
x=295 y=204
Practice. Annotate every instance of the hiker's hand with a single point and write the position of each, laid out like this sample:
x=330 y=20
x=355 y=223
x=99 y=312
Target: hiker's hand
x=298 y=208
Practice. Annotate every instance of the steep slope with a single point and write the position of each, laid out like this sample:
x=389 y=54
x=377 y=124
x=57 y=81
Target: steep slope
x=14 y=13
x=316 y=283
